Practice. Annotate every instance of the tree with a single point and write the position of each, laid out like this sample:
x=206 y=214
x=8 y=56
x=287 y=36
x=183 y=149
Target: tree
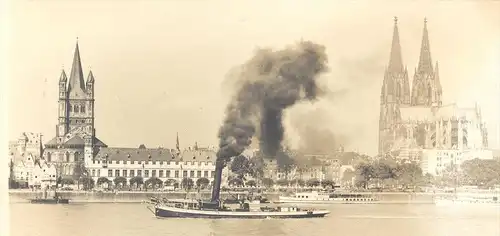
x=365 y=173
x=170 y=182
x=312 y=183
x=79 y=171
x=137 y=181
x=348 y=176
x=154 y=182
x=202 y=183
x=87 y=183
x=298 y=182
x=482 y=173
x=102 y=180
x=256 y=166
x=411 y=175
x=328 y=183
x=120 y=180
x=282 y=182
x=267 y=182
x=240 y=165
x=66 y=181
x=235 y=182
x=12 y=179
x=187 y=183
x=251 y=183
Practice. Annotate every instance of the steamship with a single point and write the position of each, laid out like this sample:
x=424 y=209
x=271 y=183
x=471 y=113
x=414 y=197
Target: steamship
x=217 y=209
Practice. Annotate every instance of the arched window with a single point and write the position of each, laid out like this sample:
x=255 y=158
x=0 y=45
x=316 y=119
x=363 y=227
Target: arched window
x=77 y=155
x=76 y=108
x=67 y=156
x=49 y=157
x=82 y=109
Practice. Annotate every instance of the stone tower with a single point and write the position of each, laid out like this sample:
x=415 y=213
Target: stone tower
x=426 y=87
x=76 y=100
x=75 y=140
x=395 y=93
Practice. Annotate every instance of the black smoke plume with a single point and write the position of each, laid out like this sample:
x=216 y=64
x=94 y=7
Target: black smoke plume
x=267 y=84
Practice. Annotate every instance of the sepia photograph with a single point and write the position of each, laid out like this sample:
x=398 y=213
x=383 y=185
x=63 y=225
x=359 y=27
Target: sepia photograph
x=228 y=118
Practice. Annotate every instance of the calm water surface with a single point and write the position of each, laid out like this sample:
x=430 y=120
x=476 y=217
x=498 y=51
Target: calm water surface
x=352 y=220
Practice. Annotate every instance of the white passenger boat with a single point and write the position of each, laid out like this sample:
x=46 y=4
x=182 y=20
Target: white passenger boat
x=469 y=199
x=316 y=197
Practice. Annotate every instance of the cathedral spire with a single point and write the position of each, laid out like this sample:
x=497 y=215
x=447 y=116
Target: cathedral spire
x=425 y=61
x=395 y=60
x=76 y=80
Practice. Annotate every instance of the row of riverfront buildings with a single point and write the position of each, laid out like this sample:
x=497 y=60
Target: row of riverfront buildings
x=414 y=125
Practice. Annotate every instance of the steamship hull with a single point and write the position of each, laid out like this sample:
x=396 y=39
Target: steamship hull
x=172 y=212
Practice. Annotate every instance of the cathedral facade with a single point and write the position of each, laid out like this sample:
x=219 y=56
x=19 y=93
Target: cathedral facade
x=413 y=119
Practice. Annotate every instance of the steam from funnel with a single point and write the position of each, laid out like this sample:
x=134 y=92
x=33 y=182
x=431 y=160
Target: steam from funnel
x=269 y=83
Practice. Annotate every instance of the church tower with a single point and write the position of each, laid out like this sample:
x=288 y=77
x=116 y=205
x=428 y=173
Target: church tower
x=75 y=139
x=395 y=93
x=426 y=87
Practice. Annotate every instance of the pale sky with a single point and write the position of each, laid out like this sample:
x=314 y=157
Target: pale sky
x=160 y=66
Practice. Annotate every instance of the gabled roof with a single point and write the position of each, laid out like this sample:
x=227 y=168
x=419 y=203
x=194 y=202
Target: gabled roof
x=154 y=154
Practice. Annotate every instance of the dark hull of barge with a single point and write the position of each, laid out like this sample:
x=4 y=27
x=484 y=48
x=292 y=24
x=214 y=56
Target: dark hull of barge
x=172 y=212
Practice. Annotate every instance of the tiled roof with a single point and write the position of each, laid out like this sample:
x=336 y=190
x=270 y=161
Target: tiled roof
x=75 y=140
x=154 y=154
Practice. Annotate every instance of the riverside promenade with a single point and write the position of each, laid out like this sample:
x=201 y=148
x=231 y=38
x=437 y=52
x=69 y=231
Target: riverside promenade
x=19 y=196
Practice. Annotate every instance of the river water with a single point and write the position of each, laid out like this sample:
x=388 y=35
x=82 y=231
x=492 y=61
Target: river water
x=133 y=219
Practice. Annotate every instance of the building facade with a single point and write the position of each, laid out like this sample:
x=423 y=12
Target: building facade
x=437 y=161
x=412 y=120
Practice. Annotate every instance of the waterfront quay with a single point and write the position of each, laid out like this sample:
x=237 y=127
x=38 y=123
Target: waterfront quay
x=20 y=196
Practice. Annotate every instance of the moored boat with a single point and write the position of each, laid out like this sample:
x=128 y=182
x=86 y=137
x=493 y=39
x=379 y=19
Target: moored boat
x=315 y=197
x=468 y=199
x=56 y=199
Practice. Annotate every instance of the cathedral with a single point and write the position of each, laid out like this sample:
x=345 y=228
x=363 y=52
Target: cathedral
x=415 y=118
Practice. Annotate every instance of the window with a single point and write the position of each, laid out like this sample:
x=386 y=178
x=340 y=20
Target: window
x=146 y=173
x=75 y=108
x=213 y=174
x=176 y=174
x=154 y=162
x=160 y=173
x=67 y=156
x=205 y=174
x=124 y=173
x=93 y=172
x=139 y=172
x=117 y=173
x=185 y=174
x=131 y=173
x=98 y=173
x=161 y=162
x=167 y=173
x=82 y=109
x=110 y=173
x=191 y=174
x=77 y=155
x=49 y=157
x=198 y=174
x=153 y=173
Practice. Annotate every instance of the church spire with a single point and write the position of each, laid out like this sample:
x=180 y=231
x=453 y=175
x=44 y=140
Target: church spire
x=395 y=60
x=177 y=142
x=425 y=61
x=76 y=80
